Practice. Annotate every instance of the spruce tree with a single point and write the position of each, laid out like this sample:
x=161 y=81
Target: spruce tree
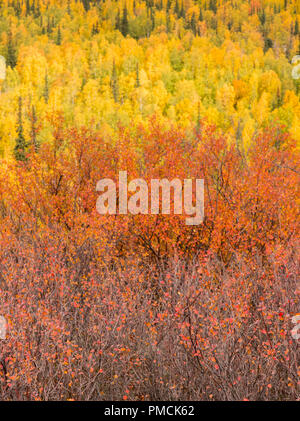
x=58 y=39
x=18 y=9
x=27 y=8
x=11 y=58
x=193 y=24
x=21 y=145
x=46 y=88
x=296 y=30
x=86 y=5
x=278 y=98
x=124 y=23
x=182 y=11
x=200 y=15
x=262 y=17
x=268 y=44
x=152 y=17
x=137 y=76
x=177 y=10
x=118 y=21
x=38 y=10
x=168 y=23
x=213 y=6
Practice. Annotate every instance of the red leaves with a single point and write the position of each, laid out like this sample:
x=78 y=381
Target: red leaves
x=99 y=304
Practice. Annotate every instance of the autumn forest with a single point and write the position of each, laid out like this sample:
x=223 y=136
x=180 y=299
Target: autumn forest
x=144 y=307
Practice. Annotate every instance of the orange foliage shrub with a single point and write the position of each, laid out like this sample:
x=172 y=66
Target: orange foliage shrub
x=99 y=307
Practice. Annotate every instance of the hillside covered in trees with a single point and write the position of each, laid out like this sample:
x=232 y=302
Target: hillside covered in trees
x=104 y=63
x=145 y=307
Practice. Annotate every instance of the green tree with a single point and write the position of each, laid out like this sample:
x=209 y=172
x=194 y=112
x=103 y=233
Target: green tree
x=296 y=30
x=124 y=23
x=86 y=5
x=194 y=24
x=11 y=58
x=137 y=76
x=118 y=21
x=21 y=144
x=46 y=88
x=58 y=38
x=168 y=22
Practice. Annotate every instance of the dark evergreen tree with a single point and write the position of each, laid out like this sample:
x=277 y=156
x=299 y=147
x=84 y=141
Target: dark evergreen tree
x=37 y=10
x=124 y=23
x=152 y=18
x=95 y=29
x=11 y=57
x=18 y=9
x=177 y=9
x=182 y=11
x=137 y=76
x=28 y=8
x=86 y=5
x=168 y=23
x=118 y=22
x=21 y=144
x=278 y=98
x=262 y=17
x=213 y=5
x=268 y=44
x=200 y=15
x=46 y=88
x=58 y=38
x=193 y=24
x=296 y=30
